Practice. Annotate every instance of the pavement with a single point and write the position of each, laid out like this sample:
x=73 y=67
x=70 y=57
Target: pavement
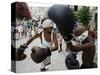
x=57 y=59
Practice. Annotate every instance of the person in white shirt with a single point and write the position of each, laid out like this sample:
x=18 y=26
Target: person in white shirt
x=48 y=40
x=20 y=30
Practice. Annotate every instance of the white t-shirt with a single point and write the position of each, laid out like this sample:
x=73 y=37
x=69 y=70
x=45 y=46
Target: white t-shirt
x=20 y=28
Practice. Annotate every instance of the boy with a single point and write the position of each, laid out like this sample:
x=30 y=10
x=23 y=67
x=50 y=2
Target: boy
x=87 y=46
x=48 y=39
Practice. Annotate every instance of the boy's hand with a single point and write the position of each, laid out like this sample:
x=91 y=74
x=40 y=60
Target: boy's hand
x=24 y=46
x=74 y=48
x=20 y=52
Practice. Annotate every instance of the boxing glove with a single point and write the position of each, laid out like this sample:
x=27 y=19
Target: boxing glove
x=63 y=17
x=71 y=62
x=20 y=52
x=39 y=54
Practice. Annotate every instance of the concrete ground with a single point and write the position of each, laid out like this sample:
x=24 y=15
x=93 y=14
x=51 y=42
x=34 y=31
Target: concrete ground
x=57 y=59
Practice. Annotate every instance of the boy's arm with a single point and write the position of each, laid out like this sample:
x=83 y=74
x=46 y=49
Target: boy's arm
x=32 y=38
x=86 y=46
x=55 y=47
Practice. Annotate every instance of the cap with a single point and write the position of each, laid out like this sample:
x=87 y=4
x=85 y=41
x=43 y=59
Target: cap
x=47 y=23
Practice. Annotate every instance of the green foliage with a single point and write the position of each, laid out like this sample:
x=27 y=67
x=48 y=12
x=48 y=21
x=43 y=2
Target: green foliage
x=29 y=22
x=75 y=16
x=84 y=15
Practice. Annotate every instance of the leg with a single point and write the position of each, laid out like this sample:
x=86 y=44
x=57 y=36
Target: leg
x=45 y=63
x=87 y=58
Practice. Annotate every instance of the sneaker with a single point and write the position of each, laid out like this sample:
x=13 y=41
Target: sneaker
x=43 y=69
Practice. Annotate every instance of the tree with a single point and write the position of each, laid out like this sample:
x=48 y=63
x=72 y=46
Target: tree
x=22 y=11
x=84 y=15
x=76 y=16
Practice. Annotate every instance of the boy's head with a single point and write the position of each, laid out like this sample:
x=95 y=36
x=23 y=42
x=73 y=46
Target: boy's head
x=47 y=25
x=79 y=30
x=80 y=33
